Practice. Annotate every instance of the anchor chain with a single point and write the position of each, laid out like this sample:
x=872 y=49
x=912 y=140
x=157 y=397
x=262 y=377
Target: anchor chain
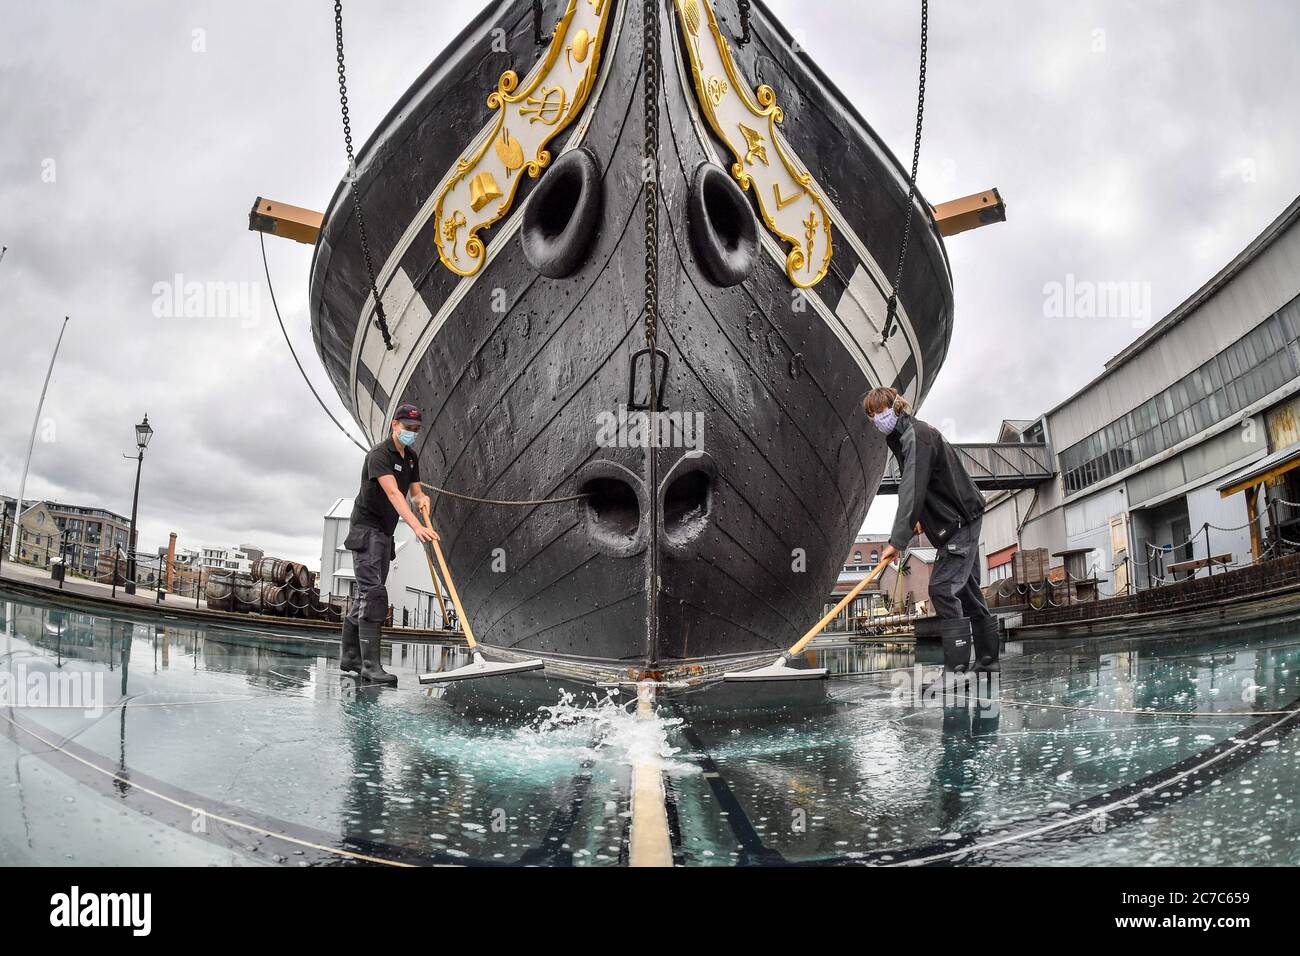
x=541 y=39
x=650 y=154
x=650 y=166
x=892 y=310
x=380 y=319
x=650 y=173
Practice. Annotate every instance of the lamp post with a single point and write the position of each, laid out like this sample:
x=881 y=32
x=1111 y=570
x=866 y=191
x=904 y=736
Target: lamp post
x=142 y=435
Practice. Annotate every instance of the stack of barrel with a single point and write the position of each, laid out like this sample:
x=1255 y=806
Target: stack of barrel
x=274 y=586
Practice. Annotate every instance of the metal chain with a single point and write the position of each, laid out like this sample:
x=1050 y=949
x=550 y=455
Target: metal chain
x=380 y=319
x=745 y=36
x=1241 y=527
x=538 y=37
x=650 y=159
x=650 y=165
x=892 y=310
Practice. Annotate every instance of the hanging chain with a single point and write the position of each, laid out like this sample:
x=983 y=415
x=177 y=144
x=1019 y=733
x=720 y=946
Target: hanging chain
x=892 y=310
x=538 y=37
x=650 y=162
x=745 y=36
x=380 y=319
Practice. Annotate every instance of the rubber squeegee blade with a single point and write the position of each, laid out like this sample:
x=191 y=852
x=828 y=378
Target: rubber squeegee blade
x=481 y=667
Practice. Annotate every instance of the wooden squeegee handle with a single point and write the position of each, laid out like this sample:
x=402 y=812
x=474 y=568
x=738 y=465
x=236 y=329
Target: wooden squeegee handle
x=451 y=585
x=817 y=628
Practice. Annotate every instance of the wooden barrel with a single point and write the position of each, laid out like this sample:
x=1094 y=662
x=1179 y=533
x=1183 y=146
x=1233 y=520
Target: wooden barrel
x=247 y=594
x=336 y=608
x=316 y=610
x=274 y=598
x=272 y=570
x=297 y=574
x=300 y=601
x=219 y=590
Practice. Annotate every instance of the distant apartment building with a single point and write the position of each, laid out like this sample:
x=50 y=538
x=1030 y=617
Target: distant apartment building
x=228 y=559
x=87 y=533
x=38 y=534
x=862 y=559
x=79 y=533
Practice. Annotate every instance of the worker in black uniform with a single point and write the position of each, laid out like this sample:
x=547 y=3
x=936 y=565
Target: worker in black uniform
x=391 y=472
x=936 y=496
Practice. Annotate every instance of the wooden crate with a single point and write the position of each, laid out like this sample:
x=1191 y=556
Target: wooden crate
x=1030 y=566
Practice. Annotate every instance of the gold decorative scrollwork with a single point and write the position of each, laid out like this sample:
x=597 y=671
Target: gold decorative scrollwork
x=747 y=123
x=482 y=187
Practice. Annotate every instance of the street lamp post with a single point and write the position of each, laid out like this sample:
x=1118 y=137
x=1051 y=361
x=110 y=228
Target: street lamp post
x=142 y=435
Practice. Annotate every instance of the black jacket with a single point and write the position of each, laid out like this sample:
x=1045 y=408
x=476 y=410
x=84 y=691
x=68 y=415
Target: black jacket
x=934 y=487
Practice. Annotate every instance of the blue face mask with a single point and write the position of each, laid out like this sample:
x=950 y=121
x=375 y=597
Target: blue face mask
x=407 y=438
x=885 y=421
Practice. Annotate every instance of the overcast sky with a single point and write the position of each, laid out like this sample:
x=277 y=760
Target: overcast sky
x=1132 y=142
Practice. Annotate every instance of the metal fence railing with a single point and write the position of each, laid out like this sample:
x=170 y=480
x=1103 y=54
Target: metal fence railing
x=285 y=594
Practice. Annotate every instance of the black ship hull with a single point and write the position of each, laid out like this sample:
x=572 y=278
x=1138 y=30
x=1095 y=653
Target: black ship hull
x=520 y=375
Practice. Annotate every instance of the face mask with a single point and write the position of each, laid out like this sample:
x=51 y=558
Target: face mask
x=407 y=438
x=885 y=421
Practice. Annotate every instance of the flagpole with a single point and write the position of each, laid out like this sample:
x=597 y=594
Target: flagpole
x=31 y=444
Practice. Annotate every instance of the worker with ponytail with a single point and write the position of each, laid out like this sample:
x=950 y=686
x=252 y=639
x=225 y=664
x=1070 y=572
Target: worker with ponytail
x=937 y=497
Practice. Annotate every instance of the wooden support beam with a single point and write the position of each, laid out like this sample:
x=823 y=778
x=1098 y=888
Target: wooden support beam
x=1252 y=512
x=288 y=222
x=1277 y=471
x=970 y=212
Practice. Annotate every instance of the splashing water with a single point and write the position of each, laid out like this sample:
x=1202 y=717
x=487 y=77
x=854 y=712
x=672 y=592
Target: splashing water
x=609 y=726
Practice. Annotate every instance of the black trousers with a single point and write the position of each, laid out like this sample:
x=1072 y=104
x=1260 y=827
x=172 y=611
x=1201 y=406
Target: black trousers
x=372 y=552
x=955 y=578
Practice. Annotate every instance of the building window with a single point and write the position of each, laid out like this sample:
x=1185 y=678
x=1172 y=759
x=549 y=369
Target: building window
x=1261 y=361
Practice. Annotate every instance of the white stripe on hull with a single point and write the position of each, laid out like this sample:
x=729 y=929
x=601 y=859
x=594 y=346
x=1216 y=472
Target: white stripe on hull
x=501 y=234
x=856 y=337
x=856 y=321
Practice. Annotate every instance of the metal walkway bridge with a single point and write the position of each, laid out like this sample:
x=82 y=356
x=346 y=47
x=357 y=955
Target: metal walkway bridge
x=995 y=466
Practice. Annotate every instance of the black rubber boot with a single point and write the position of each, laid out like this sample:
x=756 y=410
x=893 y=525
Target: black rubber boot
x=371 y=670
x=956 y=644
x=350 y=649
x=984 y=630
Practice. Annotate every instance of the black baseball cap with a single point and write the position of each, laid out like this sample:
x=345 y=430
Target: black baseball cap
x=409 y=414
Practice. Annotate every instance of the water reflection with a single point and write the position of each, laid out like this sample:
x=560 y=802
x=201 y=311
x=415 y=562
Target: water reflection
x=272 y=732
x=900 y=766
x=903 y=768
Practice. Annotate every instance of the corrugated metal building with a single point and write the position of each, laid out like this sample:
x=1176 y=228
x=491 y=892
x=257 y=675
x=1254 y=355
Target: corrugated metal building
x=1141 y=449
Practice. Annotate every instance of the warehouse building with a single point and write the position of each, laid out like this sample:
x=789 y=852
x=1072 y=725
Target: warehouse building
x=1155 y=458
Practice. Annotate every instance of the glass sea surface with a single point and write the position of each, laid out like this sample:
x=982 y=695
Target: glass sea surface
x=223 y=745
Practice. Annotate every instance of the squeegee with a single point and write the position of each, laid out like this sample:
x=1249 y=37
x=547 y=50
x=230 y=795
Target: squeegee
x=480 y=666
x=780 y=668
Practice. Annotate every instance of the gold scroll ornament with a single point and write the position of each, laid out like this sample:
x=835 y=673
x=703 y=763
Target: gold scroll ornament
x=747 y=123
x=486 y=178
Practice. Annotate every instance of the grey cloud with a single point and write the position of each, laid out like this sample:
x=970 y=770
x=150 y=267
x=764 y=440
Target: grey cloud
x=1117 y=165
